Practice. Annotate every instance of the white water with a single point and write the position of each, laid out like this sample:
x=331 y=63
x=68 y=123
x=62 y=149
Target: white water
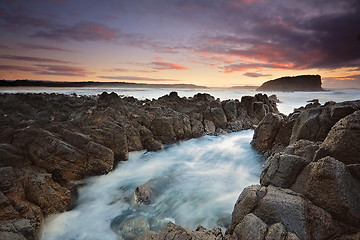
x=289 y=100
x=200 y=182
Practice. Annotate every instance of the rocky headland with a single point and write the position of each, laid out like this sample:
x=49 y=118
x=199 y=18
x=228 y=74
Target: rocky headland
x=50 y=142
x=292 y=84
x=310 y=185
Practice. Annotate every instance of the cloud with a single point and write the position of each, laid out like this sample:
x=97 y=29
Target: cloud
x=255 y=75
x=16 y=68
x=32 y=59
x=84 y=31
x=5 y=47
x=130 y=70
x=43 y=47
x=160 y=65
x=62 y=70
x=241 y=67
x=133 y=78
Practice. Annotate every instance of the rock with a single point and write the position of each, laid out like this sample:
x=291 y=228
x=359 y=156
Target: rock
x=130 y=228
x=297 y=83
x=230 y=109
x=247 y=201
x=143 y=194
x=276 y=231
x=247 y=102
x=197 y=129
x=312 y=124
x=174 y=232
x=281 y=170
x=251 y=228
x=341 y=140
x=48 y=195
x=303 y=148
x=329 y=184
x=275 y=205
x=100 y=159
x=219 y=117
x=209 y=127
x=148 y=140
x=18 y=229
x=11 y=155
x=265 y=133
x=162 y=129
x=291 y=236
x=274 y=98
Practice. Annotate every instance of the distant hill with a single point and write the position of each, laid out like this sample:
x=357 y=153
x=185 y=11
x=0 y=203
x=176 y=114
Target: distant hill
x=35 y=83
x=297 y=83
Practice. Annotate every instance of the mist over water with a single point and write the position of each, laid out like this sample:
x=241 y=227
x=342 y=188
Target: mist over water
x=196 y=182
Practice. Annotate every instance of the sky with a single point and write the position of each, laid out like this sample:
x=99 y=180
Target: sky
x=213 y=43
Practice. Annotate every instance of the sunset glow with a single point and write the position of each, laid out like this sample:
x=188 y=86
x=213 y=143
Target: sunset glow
x=210 y=43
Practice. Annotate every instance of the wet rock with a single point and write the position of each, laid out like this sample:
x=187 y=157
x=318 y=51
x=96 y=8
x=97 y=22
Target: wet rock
x=341 y=140
x=130 y=228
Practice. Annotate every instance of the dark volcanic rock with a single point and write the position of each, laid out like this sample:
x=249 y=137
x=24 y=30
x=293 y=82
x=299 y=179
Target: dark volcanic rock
x=297 y=83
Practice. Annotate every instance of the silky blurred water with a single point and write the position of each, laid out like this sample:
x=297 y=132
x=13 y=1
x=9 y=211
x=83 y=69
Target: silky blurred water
x=197 y=181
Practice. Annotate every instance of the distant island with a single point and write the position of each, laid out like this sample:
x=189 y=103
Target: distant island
x=297 y=83
x=38 y=83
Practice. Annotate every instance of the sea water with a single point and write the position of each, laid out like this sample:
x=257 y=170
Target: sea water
x=197 y=183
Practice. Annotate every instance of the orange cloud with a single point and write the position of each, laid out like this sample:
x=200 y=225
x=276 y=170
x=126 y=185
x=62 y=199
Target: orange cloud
x=160 y=65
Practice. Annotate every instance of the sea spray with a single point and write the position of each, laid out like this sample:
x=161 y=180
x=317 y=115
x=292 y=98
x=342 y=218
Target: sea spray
x=196 y=182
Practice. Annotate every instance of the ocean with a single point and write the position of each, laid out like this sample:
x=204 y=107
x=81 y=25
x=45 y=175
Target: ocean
x=195 y=182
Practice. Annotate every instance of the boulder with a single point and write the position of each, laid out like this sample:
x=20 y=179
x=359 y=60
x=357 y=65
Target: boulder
x=162 y=129
x=340 y=142
x=281 y=170
x=265 y=133
x=275 y=205
x=251 y=228
x=329 y=184
x=209 y=127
